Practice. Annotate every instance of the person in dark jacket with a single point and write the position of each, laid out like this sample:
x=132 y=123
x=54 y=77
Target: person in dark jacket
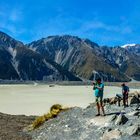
x=125 y=92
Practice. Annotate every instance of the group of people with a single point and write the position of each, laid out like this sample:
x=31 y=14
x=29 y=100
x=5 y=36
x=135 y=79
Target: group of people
x=98 y=88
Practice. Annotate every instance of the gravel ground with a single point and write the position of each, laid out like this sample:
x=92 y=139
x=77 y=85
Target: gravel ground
x=81 y=124
x=11 y=126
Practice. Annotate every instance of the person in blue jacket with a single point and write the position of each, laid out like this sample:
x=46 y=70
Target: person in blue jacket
x=99 y=91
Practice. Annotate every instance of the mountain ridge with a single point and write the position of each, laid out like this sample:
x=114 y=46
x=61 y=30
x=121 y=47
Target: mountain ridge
x=58 y=43
x=27 y=64
x=73 y=57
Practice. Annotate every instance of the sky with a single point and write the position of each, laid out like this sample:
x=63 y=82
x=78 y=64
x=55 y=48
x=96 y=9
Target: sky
x=106 y=22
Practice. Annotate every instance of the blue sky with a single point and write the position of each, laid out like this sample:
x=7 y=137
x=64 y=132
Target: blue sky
x=106 y=22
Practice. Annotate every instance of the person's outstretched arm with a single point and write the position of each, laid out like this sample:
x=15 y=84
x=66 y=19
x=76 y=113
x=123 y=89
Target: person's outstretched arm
x=94 y=86
x=101 y=87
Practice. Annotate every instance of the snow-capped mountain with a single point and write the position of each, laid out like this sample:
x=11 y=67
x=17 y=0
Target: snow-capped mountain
x=128 y=45
x=66 y=58
x=82 y=57
x=135 y=48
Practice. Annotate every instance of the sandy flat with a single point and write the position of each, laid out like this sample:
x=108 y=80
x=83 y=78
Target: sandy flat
x=37 y=99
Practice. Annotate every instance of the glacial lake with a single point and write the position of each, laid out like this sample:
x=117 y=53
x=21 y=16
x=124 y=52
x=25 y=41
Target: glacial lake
x=37 y=99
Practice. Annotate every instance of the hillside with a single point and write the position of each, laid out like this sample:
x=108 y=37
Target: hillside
x=21 y=63
x=87 y=59
x=67 y=58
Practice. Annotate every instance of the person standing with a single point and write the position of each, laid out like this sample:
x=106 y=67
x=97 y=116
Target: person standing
x=125 y=92
x=98 y=86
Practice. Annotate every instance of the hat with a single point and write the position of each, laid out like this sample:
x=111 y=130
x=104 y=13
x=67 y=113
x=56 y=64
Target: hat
x=123 y=84
x=98 y=79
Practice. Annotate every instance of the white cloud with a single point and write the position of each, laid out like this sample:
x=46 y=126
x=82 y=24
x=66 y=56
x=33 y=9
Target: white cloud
x=15 y=15
x=95 y=25
x=10 y=19
x=12 y=29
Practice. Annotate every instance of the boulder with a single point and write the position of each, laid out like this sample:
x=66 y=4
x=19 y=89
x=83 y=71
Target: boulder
x=106 y=100
x=113 y=118
x=133 y=130
x=136 y=93
x=111 y=135
x=134 y=113
x=121 y=119
x=134 y=100
x=108 y=130
x=113 y=100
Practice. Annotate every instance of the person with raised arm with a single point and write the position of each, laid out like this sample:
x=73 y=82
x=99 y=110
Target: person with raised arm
x=98 y=87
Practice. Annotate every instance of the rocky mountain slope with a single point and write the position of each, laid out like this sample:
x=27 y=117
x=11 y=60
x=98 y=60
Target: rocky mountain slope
x=19 y=62
x=66 y=58
x=128 y=62
x=89 y=60
x=134 y=48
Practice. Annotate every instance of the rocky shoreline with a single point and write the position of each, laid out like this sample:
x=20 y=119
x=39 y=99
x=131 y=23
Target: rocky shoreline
x=11 y=126
x=78 y=124
x=81 y=124
x=66 y=83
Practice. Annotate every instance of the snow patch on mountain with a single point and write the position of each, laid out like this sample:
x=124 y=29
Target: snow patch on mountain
x=95 y=72
x=15 y=65
x=126 y=45
x=14 y=62
x=12 y=51
x=58 y=56
x=69 y=55
x=31 y=47
x=47 y=40
x=49 y=65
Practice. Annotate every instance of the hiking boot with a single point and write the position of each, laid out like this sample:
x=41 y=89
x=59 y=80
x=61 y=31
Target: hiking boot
x=97 y=115
x=103 y=115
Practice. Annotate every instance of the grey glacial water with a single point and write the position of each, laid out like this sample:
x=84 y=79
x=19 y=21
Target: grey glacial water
x=37 y=99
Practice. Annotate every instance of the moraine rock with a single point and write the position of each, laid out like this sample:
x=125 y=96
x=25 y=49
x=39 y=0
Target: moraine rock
x=111 y=135
x=134 y=113
x=106 y=100
x=113 y=118
x=121 y=119
x=82 y=124
x=113 y=100
x=133 y=130
x=134 y=100
x=137 y=94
